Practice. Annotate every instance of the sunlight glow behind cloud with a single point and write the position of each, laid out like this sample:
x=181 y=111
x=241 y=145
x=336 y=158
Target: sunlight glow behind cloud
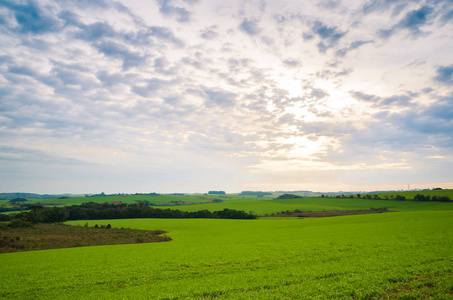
x=190 y=96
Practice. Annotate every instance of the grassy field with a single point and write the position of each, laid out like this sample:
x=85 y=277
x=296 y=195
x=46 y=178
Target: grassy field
x=407 y=255
x=411 y=194
x=262 y=207
x=158 y=200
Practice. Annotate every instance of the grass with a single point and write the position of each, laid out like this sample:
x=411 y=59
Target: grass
x=411 y=194
x=158 y=200
x=263 y=207
x=406 y=255
x=54 y=236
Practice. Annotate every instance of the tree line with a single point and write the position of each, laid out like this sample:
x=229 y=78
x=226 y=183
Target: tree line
x=105 y=211
x=418 y=197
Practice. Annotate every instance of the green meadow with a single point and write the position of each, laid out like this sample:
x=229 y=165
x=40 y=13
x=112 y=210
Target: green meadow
x=158 y=200
x=404 y=255
x=263 y=207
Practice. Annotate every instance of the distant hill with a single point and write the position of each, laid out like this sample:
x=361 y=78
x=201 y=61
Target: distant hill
x=9 y=196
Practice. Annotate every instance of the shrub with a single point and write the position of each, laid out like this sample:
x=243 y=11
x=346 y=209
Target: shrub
x=19 y=223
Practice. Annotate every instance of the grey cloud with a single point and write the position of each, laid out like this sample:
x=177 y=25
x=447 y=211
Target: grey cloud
x=352 y=46
x=286 y=118
x=329 y=4
x=67 y=76
x=164 y=33
x=380 y=5
x=444 y=74
x=192 y=62
x=129 y=58
x=161 y=65
x=268 y=40
x=59 y=75
x=329 y=35
x=432 y=125
x=365 y=97
x=22 y=70
x=412 y=21
x=308 y=36
x=447 y=16
x=69 y=18
x=291 y=62
x=319 y=94
x=220 y=98
x=151 y=87
x=250 y=27
x=166 y=8
x=112 y=79
x=399 y=100
x=328 y=74
x=31 y=18
x=88 y=3
x=37 y=156
x=209 y=33
x=95 y=31
x=280 y=18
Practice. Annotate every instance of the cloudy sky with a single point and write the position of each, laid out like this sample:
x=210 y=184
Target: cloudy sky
x=197 y=95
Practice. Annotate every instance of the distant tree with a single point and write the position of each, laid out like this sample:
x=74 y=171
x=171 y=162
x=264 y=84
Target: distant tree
x=36 y=208
x=19 y=223
x=358 y=196
x=5 y=217
x=288 y=196
x=216 y=193
x=54 y=215
x=420 y=197
x=16 y=200
x=444 y=199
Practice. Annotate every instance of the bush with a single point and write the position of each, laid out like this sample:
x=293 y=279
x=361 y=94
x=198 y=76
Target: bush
x=19 y=223
x=4 y=217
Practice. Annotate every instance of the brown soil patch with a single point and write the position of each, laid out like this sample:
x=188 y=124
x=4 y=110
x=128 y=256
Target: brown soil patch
x=54 y=236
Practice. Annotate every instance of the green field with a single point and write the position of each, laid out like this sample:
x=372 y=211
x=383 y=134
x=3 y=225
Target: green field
x=262 y=207
x=158 y=200
x=406 y=255
x=411 y=194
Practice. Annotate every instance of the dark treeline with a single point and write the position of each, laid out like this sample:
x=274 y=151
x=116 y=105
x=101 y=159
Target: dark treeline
x=288 y=196
x=105 y=211
x=417 y=197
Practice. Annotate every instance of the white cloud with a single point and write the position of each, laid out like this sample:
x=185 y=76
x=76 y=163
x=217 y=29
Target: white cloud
x=212 y=94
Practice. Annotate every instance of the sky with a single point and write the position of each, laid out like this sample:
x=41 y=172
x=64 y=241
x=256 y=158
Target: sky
x=196 y=95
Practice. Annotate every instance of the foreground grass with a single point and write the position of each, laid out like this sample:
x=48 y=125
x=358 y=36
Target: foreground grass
x=406 y=255
x=54 y=236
